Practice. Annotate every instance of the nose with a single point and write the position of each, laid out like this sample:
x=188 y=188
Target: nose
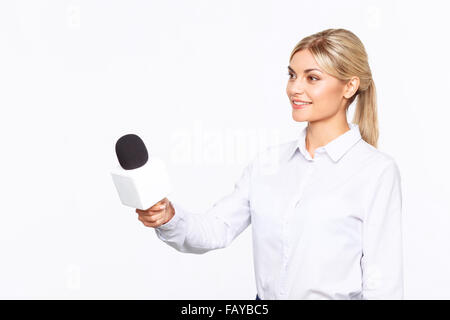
x=296 y=88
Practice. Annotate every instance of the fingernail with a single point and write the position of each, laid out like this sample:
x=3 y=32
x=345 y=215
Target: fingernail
x=162 y=207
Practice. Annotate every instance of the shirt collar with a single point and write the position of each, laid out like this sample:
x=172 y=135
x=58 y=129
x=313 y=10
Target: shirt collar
x=335 y=148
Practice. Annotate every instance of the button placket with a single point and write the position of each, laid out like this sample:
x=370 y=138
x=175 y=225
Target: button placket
x=304 y=183
x=286 y=243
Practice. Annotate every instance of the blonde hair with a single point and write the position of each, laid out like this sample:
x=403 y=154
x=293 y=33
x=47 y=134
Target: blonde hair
x=340 y=53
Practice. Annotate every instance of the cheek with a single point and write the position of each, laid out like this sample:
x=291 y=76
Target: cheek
x=324 y=94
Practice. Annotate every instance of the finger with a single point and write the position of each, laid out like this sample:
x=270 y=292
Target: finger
x=152 y=218
x=151 y=213
x=154 y=224
x=157 y=207
x=160 y=202
x=163 y=201
x=140 y=211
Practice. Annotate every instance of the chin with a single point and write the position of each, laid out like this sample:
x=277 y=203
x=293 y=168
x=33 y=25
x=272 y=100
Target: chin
x=298 y=118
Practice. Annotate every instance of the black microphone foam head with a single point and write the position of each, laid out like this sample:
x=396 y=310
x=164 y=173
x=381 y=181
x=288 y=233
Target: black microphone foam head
x=131 y=152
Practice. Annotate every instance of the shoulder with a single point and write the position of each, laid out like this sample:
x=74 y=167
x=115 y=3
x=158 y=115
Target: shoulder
x=381 y=168
x=374 y=158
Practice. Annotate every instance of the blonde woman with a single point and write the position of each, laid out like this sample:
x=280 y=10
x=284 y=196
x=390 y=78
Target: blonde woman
x=327 y=223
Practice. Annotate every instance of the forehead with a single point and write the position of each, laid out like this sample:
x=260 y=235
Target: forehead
x=302 y=60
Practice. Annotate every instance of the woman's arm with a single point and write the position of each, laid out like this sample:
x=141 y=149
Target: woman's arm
x=214 y=229
x=382 y=260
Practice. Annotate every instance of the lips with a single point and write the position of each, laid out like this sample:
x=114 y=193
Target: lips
x=301 y=106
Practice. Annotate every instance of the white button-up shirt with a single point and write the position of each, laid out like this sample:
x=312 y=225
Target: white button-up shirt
x=328 y=227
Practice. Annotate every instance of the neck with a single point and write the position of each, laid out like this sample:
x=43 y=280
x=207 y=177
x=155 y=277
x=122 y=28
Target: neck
x=319 y=134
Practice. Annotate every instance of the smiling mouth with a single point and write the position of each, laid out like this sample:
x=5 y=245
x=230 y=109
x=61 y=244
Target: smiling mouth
x=301 y=103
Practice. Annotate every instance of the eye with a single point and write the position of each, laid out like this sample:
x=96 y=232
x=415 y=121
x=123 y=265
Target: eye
x=313 y=78
x=290 y=75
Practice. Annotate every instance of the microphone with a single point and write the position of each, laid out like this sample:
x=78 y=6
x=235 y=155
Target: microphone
x=141 y=181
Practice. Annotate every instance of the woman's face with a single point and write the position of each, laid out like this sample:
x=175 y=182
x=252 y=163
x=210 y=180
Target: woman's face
x=322 y=93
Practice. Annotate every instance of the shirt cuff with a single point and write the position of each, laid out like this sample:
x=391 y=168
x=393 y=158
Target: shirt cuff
x=174 y=220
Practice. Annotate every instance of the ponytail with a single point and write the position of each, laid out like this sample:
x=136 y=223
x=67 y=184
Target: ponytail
x=365 y=115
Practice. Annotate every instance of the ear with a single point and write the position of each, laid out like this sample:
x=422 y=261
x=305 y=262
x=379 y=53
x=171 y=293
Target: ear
x=351 y=87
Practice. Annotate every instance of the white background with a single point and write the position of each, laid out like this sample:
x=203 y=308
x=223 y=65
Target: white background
x=203 y=83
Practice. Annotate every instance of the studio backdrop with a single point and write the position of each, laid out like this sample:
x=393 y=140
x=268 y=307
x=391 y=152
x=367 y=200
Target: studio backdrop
x=203 y=83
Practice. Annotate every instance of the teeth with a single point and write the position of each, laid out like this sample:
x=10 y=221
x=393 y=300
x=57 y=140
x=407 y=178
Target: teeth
x=301 y=103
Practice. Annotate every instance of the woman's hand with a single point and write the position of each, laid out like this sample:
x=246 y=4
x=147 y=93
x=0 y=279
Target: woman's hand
x=157 y=215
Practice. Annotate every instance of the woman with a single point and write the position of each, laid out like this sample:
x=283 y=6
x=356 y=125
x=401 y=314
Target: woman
x=327 y=222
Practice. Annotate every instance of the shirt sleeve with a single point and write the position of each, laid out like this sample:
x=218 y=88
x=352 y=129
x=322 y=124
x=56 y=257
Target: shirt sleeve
x=382 y=259
x=214 y=229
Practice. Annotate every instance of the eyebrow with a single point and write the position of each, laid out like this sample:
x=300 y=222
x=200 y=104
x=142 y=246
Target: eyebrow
x=305 y=71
